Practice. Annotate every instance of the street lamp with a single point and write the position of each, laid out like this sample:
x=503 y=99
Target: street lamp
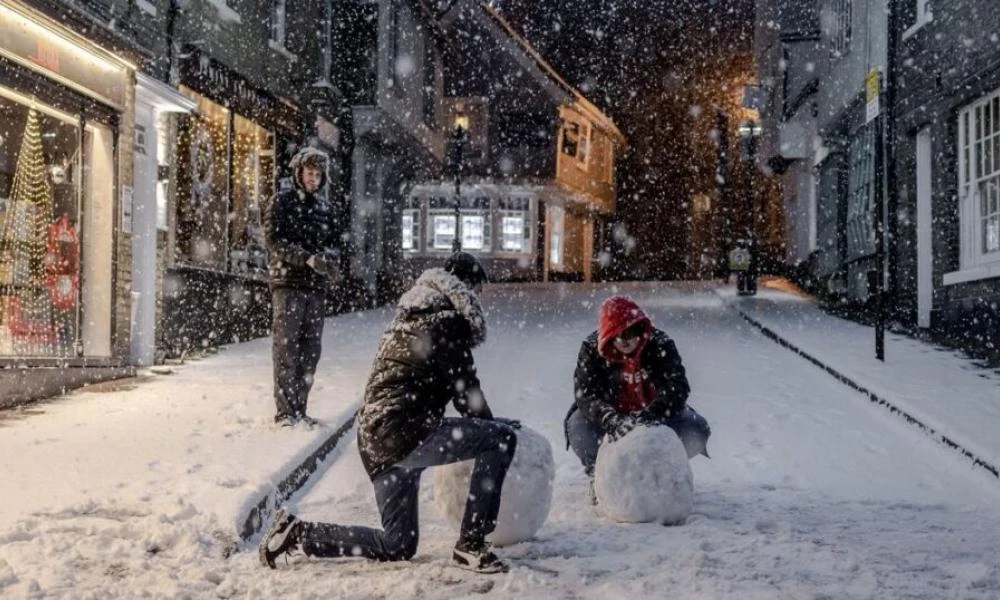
x=749 y=132
x=458 y=133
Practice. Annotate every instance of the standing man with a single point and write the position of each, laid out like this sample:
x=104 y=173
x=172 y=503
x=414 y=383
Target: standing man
x=303 y=237
x=424 y=362
x=629 y=373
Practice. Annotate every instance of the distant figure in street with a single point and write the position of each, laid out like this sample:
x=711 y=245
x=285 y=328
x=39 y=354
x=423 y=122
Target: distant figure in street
x=629 y=373
x=424 y=362
x=303 y=235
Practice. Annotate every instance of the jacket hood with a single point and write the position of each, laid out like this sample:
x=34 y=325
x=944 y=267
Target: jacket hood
x=438 y=291
x=618 y=313
x=298 y=161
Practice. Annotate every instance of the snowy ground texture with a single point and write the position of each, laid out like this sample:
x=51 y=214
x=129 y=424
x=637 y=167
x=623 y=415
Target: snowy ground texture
x=813 y=492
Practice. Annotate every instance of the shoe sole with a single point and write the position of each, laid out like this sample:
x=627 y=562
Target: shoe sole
x=483 y=571
x=273 y=538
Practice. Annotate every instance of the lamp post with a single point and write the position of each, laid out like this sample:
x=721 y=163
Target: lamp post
x=458 y=134
x=749 y=132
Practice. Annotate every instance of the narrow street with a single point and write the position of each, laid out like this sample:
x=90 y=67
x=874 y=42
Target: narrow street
x=812 y=490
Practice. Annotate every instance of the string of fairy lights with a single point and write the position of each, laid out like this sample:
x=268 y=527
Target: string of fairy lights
x=23 y=246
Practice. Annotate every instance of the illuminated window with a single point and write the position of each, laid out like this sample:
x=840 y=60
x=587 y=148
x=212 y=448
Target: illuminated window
x=411 y=229
x=475 y=231
x=442 y=229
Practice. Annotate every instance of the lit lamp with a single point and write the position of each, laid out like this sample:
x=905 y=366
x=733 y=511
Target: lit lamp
x=458 y=134
x=749 y=131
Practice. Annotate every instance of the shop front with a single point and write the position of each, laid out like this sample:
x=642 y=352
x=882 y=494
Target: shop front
x=64 y=102
x=229 y=155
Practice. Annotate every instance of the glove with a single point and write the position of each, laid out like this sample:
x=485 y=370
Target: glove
x=512 y=423
x=617 y=426
x=322 y=264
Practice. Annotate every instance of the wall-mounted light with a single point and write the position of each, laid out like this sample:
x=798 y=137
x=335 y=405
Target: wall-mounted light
x=461 y=121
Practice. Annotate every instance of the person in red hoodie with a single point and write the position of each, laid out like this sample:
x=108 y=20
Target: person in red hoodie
x=629 y=373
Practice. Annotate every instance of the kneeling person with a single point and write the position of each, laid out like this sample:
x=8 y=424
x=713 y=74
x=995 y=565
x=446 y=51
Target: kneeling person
x=629 y=373
x=424 y=362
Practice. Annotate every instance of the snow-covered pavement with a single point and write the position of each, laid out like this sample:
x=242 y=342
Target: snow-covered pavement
x=813 y=491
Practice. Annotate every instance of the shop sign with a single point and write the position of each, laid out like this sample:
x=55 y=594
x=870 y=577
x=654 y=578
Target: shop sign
x=39 y=47
x=225 y=86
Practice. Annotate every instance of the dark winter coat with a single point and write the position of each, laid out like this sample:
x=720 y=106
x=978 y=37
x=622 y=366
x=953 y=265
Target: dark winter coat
x=424 y=361
x=597 y=380
x=297 y=225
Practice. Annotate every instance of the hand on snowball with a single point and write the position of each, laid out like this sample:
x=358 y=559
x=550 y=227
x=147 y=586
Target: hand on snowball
x=618 y=426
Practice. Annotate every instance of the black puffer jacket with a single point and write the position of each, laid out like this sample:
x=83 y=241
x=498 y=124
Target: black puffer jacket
x=424 y=361
x=597 y=380
x=297 y=225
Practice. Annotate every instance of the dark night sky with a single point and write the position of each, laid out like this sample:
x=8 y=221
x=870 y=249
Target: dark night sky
x=660 y=69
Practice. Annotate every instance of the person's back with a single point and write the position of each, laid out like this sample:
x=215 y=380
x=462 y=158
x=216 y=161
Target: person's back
x=424 y=353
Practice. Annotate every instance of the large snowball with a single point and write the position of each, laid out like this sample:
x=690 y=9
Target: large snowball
x=645 y=477
x=526 y=495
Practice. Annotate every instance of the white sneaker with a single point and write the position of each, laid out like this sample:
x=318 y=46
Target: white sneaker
x=479 y=559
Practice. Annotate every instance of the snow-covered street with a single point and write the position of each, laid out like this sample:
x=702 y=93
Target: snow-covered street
x=812 y=491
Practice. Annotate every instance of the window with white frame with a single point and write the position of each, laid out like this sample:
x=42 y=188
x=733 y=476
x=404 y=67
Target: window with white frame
x=442 y=229
x=411 y=229
x=979 y=181
x=277 y=22
x=515 y=224
x=840 y=26
x=475 y=230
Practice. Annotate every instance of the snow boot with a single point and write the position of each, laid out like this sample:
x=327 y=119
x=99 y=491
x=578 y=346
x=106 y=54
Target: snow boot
x=477 y=556
x=282 y=537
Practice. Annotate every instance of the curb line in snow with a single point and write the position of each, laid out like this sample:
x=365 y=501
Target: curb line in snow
x=292 y=482
x=935 y=434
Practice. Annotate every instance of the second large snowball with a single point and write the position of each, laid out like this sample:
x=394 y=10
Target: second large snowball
x=526 y=495
x=645 y=477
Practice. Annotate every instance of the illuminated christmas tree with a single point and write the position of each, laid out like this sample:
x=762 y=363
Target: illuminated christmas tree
x=23 y=242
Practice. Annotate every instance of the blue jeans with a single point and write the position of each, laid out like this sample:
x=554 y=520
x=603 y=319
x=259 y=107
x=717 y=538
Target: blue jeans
x=585 y=437
x=492 y=444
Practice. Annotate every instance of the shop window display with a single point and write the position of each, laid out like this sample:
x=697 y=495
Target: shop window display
x=229 y=177
x=203 y=198
x=253 y=184
x=39 y=238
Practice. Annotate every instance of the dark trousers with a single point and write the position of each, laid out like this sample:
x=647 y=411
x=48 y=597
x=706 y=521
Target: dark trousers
x=585 y=437
x=490 y=443
x=296 y=338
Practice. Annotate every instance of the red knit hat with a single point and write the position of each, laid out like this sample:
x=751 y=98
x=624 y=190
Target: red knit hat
x=619 y=313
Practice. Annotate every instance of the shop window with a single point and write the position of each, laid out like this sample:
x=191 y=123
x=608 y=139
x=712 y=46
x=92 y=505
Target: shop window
x=227 y=173
x=513 y=232
x=475 y=230
x=253 y=184
x=203 y=185
x=43 y=154
x=411 y=229
x=442 y=229
x=515 y=224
